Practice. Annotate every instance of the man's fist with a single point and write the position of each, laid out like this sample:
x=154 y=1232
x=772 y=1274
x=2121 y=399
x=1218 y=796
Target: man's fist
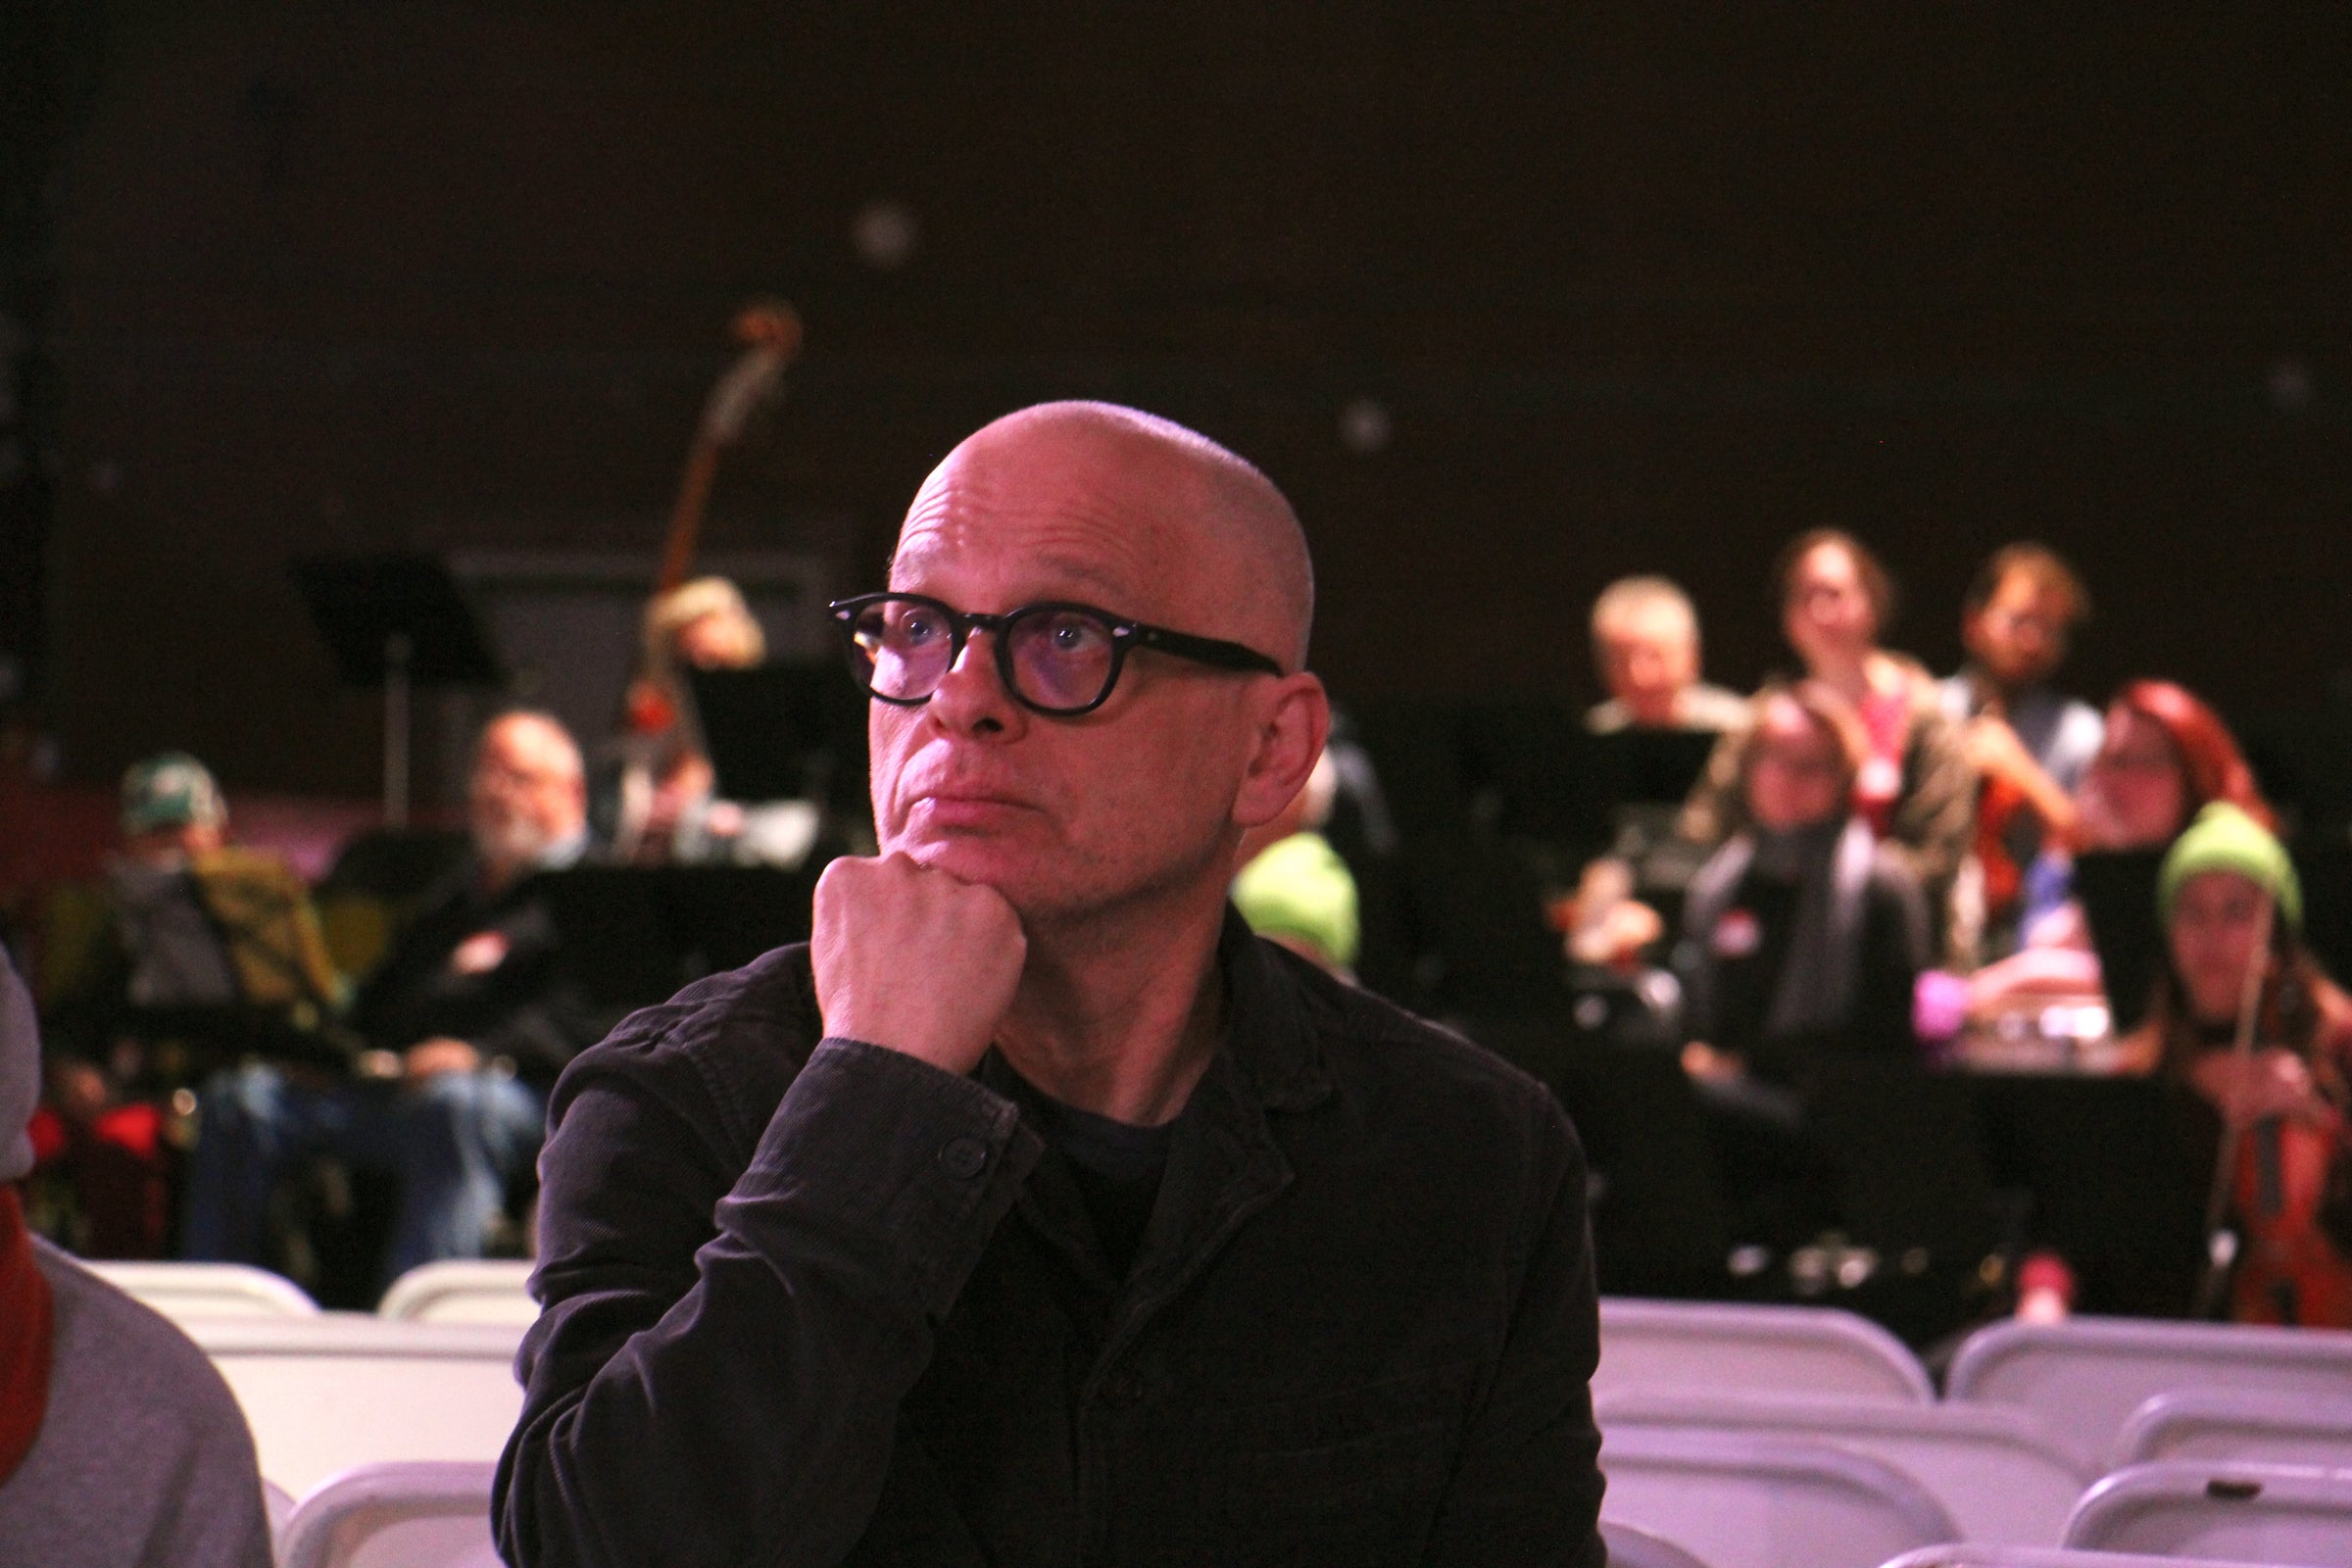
x=915 y=959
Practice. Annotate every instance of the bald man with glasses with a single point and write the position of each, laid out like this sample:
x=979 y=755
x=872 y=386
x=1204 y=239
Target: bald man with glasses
x=1036 y=1212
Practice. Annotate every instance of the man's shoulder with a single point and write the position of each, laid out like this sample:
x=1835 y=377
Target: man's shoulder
x=1396 y=1060
x=732 y=1041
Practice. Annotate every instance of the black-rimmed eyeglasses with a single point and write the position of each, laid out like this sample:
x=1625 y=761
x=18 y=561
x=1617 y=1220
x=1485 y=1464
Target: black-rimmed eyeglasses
x=1056 y=659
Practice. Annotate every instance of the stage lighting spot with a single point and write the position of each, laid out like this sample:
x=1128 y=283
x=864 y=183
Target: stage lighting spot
x=886 y=233
x=1364 y=427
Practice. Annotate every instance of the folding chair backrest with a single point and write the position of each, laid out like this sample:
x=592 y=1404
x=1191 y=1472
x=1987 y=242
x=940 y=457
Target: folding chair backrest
x=2258 y=1513
x=395 y=1516
x=323 y=1395
x=462 y=1291
x=1762 y=1501
x=279 y=1503
x=1989 y=1466
x=1977 y=1555
x=2251 y=1426
x=185 y=1291
x=1639 y=1549
x=2086 y=1377
x=1716 y=1348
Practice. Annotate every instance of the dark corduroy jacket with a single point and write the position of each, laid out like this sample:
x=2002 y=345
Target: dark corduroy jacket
x=816 y=1301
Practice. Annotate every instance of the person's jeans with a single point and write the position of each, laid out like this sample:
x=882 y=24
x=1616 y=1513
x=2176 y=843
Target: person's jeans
x=452 y=1139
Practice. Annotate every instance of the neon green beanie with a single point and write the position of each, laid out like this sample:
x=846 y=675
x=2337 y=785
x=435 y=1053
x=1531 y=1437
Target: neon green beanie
x=2224 y=838
x=1301 y=888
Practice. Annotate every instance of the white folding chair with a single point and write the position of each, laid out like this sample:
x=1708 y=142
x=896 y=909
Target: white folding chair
x=1991 y=1467
x=2255 y=1512
x=182 y=1292
x=462 y=1291
x=2085 y=1377
x=2245 y=1426
x=328 y=1392
x=1973 y=1555
x=1719 y=1348
x=1762 y=1501
x=1639 y=1549
x=395 y=1516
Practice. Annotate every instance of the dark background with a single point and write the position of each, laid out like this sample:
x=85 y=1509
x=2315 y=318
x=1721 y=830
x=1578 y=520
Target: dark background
x=1638 y=286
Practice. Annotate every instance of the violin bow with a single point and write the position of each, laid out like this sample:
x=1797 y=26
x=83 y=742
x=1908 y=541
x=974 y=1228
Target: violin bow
x=2220 y=1241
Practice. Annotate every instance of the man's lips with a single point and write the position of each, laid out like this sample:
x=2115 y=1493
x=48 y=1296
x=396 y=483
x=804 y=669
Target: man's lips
x=965 y=807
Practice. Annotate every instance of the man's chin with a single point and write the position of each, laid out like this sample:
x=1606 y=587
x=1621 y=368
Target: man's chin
x=966 y=857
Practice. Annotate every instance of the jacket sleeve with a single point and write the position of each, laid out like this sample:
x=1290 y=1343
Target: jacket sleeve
x=1527 y=1489
x=718 y=1365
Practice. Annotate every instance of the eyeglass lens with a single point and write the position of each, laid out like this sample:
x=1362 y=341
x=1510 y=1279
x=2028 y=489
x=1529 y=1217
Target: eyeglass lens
x=1058 y=659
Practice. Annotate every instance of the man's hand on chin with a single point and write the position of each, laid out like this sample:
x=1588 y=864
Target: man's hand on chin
x=915 y=959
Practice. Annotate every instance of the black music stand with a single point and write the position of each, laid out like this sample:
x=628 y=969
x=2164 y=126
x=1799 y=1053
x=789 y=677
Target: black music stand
x=782 y=731
x=398 y=621
x=2116 y=890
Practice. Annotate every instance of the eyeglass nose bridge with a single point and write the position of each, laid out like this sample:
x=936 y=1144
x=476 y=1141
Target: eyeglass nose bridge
x=963 y=626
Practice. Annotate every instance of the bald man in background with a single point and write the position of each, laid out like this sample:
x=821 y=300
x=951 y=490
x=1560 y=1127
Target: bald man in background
x=471 y=1015
x=1036 y=1212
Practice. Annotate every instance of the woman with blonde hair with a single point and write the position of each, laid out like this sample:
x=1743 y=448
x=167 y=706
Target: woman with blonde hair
x=667 y=809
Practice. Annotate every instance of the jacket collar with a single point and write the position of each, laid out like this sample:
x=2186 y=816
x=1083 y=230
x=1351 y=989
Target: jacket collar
x=1270 y=1041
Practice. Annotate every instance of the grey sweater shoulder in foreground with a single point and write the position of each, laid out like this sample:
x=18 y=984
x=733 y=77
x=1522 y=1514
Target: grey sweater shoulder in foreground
x=143 y=1458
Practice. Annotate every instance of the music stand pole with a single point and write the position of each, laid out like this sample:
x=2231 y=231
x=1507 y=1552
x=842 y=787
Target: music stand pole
x=397 y=652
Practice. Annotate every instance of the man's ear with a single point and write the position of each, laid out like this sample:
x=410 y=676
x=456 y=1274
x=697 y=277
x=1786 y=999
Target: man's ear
x=1293 y=724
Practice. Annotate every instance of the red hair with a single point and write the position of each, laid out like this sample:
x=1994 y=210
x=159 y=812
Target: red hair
x=2211 y=764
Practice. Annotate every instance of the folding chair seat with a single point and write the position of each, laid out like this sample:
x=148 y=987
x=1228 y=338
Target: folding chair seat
x=1762 y=1500
x=1710 y=1346
x=1991 y=1467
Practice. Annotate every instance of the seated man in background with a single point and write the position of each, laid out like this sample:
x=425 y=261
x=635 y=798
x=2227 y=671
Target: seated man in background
x=119 y=1445
x=1646 y=646
x=2030 y=745
x=193 y=949
x=471 y=1018
x=1801 y=933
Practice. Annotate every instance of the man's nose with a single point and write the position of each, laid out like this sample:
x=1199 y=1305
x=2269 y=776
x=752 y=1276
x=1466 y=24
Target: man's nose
x=971 y=698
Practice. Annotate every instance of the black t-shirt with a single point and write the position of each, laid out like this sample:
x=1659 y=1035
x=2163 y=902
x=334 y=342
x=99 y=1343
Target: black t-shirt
x=1116 y=1166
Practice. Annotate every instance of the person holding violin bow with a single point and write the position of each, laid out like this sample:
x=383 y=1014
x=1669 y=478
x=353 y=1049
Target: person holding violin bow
x=2244 y=1016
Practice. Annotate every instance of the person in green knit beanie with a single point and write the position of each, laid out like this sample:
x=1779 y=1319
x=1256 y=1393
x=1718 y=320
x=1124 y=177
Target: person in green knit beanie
x=2229 y=900
x=2225 y=838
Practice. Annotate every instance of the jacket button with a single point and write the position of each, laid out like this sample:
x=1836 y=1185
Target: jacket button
x=963 y=1158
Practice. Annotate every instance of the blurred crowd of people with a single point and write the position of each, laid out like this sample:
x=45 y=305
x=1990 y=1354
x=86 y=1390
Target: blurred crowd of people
x=1892 y=865
x=212 y=1038
x=1885 y=863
